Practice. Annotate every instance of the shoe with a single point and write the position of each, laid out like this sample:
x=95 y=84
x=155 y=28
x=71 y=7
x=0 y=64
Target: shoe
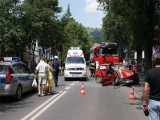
x=42 y=95
x=39 y=95
x=46 y=93
x=51 y=93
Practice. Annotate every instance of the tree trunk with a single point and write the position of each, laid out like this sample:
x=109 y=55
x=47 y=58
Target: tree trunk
x=139 y=57
x=148 y=56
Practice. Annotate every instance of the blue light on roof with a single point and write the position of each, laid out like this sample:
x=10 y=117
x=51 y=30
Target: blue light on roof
x=17 y=59
x=9 y=59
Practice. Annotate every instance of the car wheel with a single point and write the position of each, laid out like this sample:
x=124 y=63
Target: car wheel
x=98 y=79
x=116 y=81
x=65 y=79
x=18 y=93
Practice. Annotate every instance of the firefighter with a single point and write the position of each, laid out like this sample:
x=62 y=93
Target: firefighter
x=92 y=68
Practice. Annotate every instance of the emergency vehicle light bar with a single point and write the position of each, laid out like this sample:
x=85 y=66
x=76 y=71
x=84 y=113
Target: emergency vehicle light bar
x=9 y=59
x=106 y=44
x=75 y=48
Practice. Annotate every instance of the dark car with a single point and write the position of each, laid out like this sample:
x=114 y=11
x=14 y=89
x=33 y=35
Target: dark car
x=15 y=77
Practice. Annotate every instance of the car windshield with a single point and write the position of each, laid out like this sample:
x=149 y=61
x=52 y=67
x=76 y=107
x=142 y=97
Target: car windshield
x=75 y=60
x=2 y=69
x=109 y=51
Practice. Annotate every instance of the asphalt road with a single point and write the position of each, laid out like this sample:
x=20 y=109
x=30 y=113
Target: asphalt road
x=99 y=103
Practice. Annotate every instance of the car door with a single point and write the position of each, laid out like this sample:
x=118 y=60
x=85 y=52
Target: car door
x=21 y=76
x=29 y=76
x=108 y=78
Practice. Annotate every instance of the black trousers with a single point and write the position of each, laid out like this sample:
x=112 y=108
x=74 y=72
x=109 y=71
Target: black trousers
x=56 y=77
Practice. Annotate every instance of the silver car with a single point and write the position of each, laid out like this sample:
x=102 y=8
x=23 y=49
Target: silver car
x=15 y=77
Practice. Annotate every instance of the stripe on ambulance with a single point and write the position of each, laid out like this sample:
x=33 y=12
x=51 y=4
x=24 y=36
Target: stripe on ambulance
x=69 y=54
x=81 y=54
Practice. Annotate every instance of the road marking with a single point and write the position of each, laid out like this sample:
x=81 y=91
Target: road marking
x=46 y=107
x=67 y=88
x=72 y=84
x=35 y=110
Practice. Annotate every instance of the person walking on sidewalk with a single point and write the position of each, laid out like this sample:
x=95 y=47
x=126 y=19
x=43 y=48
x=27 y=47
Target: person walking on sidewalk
x=42 y=71
x=152 y=84
x=55 y=66
x=50 y=78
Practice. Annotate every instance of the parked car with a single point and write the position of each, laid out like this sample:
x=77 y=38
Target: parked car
x=15 y=77
x=116 y=74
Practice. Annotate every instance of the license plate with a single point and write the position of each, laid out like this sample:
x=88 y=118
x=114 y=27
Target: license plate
x=74 y=75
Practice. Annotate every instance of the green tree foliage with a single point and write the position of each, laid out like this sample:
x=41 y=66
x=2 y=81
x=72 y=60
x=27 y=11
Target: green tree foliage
x=96 y=35
x=77 y=37
x=24 y=24
x=74 y=35
x=11 y=34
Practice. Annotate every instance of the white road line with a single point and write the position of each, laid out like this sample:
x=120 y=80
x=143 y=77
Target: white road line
x=35 y=110
x=67 y=88
x=46 y=107
x=72 y=84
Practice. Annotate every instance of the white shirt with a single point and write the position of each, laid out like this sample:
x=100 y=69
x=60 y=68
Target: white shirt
x=42 y=67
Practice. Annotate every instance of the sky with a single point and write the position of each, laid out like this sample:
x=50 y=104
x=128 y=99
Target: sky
x=84 y=12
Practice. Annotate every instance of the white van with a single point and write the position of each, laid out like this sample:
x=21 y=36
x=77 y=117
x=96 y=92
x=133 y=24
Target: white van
x=75 y=64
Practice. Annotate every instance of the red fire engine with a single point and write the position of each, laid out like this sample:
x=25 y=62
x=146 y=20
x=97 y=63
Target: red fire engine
x=105 y=53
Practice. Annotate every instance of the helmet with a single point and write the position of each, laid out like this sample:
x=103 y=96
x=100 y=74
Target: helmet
x=56 y=57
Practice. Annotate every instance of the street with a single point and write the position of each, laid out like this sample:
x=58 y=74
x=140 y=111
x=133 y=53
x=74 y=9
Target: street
x=98 y=103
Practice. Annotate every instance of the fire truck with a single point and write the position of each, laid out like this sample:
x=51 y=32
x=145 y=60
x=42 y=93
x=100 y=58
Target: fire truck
x=104 y=53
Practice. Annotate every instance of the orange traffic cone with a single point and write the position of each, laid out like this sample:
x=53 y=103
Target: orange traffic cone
x=131 y=95
x=82 y=90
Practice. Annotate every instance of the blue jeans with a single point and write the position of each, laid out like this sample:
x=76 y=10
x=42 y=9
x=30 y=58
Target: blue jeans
x=154 y=109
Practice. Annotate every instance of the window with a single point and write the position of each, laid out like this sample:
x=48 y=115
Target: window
x=21 y=68
x=2 y=69
x=109 y=51
x=75 y=60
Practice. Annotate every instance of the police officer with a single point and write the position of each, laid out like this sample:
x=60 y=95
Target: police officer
x=92 y=67
x=55 y=66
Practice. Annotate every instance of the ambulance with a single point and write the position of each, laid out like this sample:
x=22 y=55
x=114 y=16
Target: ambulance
x=75 y=64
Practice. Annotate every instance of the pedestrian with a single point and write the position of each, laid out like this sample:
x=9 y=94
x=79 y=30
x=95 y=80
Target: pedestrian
x=152 y=84
x=42 y=71
x=55 y=66
x=50 y=78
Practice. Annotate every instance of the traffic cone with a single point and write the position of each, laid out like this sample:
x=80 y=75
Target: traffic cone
x=82 y=90
x=131 y=94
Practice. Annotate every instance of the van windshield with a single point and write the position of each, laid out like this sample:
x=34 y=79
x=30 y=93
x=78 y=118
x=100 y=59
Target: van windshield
x=75 y=60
